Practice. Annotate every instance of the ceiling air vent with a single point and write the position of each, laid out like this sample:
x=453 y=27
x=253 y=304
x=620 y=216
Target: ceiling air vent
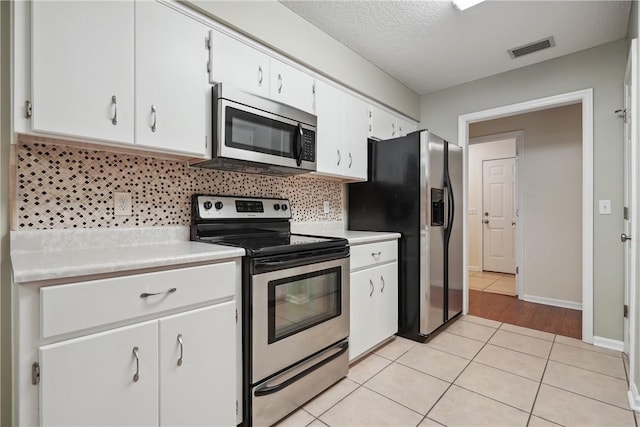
x=531 y=47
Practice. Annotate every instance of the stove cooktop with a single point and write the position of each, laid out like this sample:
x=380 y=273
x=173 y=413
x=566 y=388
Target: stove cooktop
x=277 y=244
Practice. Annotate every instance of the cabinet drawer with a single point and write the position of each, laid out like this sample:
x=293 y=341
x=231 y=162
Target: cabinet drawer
x=67 y=308
x=373 y=253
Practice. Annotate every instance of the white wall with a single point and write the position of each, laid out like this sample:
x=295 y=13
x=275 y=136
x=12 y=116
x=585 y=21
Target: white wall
x=601 y=68
x=500 y=149
x=266 y=21
x=552 y=234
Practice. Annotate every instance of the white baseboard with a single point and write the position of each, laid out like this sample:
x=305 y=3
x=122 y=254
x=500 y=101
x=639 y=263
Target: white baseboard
x=552 y=301
x=474 y=268
x=634 y=397
x=608 y=343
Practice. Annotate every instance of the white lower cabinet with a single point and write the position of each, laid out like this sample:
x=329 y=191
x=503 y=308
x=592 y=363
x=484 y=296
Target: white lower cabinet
x=374 y=304
x=175 y=371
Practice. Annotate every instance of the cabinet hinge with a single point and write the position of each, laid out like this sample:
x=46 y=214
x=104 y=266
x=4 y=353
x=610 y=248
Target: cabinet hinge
x=28 y=109
x=625 y=311
x=35 y=373
x=207 y=43
x=517 y=270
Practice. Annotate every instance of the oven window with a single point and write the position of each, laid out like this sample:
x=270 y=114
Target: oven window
x=300 y=302
x=251 y=132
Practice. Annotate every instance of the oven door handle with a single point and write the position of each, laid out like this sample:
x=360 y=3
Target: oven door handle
x=267 y=389
x=271 y=264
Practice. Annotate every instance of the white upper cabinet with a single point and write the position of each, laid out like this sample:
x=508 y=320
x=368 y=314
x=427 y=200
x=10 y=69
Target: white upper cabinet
x=383 y=124
x=238 y=64
x=82 y=69
x=355 y=136
x=405 y=127
x=291 y=86
x=171 y=80
x=342 y=133
x=330 y=153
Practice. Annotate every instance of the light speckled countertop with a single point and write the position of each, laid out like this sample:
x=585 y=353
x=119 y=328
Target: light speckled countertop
x=336 y=229
x=58 y=254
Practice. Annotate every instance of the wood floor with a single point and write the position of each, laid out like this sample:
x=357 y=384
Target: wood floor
x=508 y=309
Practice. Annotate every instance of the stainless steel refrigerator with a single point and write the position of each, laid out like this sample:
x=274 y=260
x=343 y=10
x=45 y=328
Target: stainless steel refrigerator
x=414 y=187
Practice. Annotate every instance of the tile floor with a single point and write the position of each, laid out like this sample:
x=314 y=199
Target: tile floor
x=498 y=283
x=478 y=372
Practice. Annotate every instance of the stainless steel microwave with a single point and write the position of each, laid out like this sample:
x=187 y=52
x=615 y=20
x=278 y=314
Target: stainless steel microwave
x=252 y=134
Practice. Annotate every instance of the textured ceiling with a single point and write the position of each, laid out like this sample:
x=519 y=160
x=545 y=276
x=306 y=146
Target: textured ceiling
x=431 y=45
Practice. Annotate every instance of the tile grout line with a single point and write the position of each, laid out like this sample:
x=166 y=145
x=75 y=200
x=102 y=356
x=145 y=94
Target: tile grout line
x=455 y=379
x=586 y=369
x=587 y=397
x=535 y=399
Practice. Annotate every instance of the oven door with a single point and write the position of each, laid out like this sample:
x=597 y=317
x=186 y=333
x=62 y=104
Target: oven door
x=297 y=312
x=250 y=134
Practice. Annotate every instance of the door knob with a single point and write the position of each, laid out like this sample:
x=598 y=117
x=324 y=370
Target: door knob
x=624 y=237
x=486 y=221
x=513 y=223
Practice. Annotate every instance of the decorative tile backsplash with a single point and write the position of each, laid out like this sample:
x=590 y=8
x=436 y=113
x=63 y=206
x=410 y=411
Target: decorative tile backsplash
x=65 y=187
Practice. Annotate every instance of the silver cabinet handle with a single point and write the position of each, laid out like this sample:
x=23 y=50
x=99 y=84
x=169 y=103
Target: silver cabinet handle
x=114 y=102
x=624 y=237
x=339 y=158
x=154 y=113
x=400 y=130
x=181 y=349
x=369 y=128
x=376 y=254
x=372 y=287
x=393 y=129
x=350 y=160
x=136 y=376
x=382 y=280
x=260 y=75
x=146 y=294
x=280 y=83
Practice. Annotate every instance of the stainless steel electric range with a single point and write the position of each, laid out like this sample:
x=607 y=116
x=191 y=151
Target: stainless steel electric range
x=295 y=302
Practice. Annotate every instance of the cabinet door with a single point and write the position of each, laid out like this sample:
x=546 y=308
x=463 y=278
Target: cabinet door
x=355 y=137
x=405 y=127
x=238 y=64
x=89 y=381
x=362 y=313
x=171 y=80
x=330 y=155
x=291 y=86
x=198 y=367
x=386 y=279
x=82 y=69
x=383 y=124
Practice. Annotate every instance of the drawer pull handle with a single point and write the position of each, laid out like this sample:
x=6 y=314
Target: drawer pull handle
x=382 y=280
x=372 y=287
x=136 y=376
x=146 y=294
x=181 y=349
x=376 y=254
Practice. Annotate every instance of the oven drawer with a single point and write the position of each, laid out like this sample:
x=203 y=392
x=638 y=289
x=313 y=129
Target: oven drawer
x=373 y=253
x=76 y=306
x=284 y=393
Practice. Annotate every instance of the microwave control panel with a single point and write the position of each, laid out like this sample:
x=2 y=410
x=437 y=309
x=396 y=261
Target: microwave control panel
x=309 y=145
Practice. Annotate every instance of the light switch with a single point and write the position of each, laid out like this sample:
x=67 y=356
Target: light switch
x=605 y=207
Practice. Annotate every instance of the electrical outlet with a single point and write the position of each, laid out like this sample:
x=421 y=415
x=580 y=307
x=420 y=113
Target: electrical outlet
x=605 y=207
x=325 y=207
x=122 y=205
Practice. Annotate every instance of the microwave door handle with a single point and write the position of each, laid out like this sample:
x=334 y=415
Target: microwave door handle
x=298 y=144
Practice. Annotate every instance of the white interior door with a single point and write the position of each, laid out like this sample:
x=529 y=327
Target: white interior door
x=498 y=215
x=630 y=187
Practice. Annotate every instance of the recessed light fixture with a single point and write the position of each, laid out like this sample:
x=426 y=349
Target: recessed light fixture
x=465 y=4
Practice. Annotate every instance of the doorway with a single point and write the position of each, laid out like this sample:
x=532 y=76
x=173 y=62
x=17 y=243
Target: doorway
x=581 y=216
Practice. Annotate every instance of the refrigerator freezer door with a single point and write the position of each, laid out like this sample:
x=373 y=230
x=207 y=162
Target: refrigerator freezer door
x=432 y=247
x=455 y=270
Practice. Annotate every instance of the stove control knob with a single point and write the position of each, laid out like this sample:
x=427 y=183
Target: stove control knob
x=284 y=207
x=207 y=205
x=219 y=205
x=276 y=207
